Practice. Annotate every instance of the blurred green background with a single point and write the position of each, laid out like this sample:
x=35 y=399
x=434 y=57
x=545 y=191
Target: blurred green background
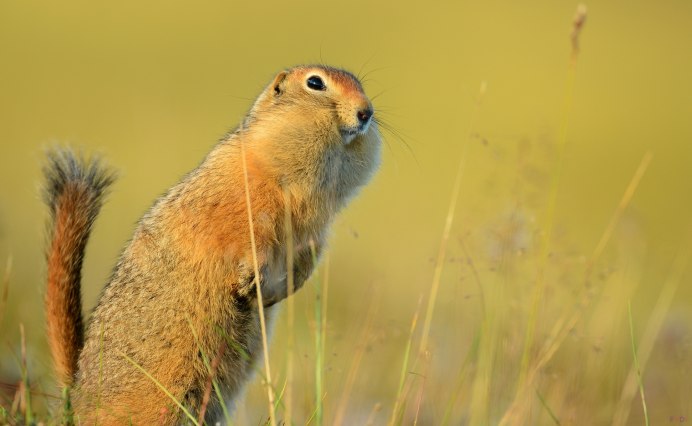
x=151 y=86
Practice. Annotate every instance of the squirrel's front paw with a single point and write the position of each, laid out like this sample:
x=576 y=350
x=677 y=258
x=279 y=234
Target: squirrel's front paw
x=245 y=284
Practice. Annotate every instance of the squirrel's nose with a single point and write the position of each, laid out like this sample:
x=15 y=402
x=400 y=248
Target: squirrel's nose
x=364 y=115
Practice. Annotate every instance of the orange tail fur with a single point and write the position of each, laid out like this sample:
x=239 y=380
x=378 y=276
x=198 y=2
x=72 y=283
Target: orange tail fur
x=74 y=193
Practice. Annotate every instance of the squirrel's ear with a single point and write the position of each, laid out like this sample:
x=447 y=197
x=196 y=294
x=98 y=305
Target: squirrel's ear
x=278 y=83
x=275 y=89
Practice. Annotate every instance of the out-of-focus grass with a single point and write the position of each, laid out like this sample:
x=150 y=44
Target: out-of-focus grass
x=636 y=365
x=612 y=238
x=580 y=356
x=5 y=288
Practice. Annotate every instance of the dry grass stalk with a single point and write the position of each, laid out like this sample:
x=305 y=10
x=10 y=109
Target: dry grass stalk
x=260 y=304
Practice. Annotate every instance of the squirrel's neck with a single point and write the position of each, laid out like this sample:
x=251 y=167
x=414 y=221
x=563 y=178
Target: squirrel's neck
x=209 y=206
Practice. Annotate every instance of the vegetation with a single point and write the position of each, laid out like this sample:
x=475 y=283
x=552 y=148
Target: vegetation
x=500 y=284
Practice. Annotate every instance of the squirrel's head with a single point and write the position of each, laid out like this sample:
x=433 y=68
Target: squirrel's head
x=317 y=125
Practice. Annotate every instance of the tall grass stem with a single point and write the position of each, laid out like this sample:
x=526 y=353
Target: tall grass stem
x=260 y=304
x=290 y=307
x=319 y=348
x=162 y=387
x=636 y=364
x=441 y=254
x=544 y=251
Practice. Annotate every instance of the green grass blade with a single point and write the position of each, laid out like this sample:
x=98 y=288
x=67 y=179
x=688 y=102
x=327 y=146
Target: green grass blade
x=209 y=368
x=636 y=364
x=319 y=345
x=28 y=413
x=547 y=408
x=162 y=387
x=398 y=401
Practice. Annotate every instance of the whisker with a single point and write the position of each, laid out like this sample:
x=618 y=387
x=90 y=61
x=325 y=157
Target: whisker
x=400 y=136
x=372 y=98
x=365 y=76
x=360 y=70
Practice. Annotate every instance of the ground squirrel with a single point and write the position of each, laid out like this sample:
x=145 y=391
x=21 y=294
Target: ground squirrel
x=184 y=284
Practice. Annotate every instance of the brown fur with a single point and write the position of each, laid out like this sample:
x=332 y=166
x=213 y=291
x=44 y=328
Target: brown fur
x=188 y=269
x=74 y=194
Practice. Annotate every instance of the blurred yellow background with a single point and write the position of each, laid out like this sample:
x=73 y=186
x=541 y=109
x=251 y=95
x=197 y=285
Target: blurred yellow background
x=151 y=86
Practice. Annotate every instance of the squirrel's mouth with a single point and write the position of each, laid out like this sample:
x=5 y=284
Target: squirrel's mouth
x=348 y=133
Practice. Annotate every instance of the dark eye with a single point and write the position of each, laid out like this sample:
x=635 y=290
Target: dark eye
x=316 y=83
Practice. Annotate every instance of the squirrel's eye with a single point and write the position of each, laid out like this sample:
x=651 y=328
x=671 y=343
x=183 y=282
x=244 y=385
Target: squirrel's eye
x=316 y=83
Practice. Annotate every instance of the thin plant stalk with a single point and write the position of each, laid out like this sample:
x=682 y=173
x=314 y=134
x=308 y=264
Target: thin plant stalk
x=420 y=398
x=16 y=401
x=355 y=365
x=211 y=368
x=653 y=326
x=311 y=418
x=279 y=399
x=559 y=330
x=562 y=327
x=325 y=300
x=245 y=356
x=26 y=394
x=636 y=364
x=5 y=288
x=439 y=263
x=260 y=304
x=162 y=387
x=290 y=308
x=473 y=351
x=544 y=251
x=319 y=353
x=100 y=388
x=475 y=347
x=398 y=400
x=488 y=342
x=212 y=382
x=624 y=202
x=545 y=405
x=67 y=417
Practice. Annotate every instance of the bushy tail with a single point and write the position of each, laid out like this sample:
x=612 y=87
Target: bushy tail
x=74 y=191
